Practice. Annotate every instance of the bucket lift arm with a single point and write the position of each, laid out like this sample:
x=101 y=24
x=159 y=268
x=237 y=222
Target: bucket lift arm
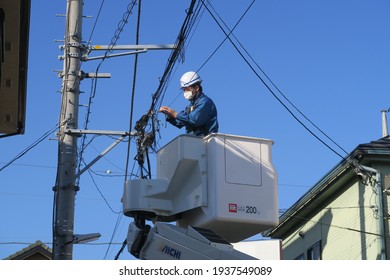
x=169 y=242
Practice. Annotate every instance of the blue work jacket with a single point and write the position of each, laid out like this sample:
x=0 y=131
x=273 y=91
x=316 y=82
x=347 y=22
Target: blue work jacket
x=199 y=117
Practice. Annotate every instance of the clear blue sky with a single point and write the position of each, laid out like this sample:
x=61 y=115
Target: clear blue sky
x=330 y=58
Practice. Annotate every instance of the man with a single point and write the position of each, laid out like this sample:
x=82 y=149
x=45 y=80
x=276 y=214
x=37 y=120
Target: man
x=200 y=116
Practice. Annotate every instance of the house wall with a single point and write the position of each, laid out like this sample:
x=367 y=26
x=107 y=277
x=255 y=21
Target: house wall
x=385 y=183
x=346 y=227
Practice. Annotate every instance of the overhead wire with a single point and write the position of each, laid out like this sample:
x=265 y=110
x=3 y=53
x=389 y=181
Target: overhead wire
x=118 y=220
x=30 y=147
x=352 y=163
x=108 y=160
x=267 y=86
x=133 y=88
x=226 y=37
x=339 y=227
x=101 y=194
x=275 y=86
x=219 y=46
x=121 y=249
x=96 y=21
x=130 y=122
x=192 y=14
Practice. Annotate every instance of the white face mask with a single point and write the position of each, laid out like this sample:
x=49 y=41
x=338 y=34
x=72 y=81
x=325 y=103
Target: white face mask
x=189 y=94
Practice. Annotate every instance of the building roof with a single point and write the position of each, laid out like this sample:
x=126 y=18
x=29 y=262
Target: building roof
x=330 y=184
x=383 y=143
x=36 y=251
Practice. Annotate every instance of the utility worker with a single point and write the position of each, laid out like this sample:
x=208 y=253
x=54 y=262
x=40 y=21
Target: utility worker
x=200 y=116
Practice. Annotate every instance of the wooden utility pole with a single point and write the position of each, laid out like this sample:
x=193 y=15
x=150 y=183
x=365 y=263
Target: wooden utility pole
x=65 y=188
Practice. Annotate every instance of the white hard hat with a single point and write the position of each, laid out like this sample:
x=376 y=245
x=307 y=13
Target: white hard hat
x=189 y=79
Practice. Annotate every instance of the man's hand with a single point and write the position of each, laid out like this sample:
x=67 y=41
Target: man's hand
x=171 y=114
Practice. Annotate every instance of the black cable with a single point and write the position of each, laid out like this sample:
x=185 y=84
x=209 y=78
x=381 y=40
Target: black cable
x=96 y=20
x=83 y=146
x=133 y=89
x=268 y=87
x=192 y=13
x=113 y=234
x=101 y=194
x=121 y=249
x=120 y=27
x=226 y=37
x=113 y=42
x=217 y=48
x=339 y=227
x=29 y=148
x=275 y=86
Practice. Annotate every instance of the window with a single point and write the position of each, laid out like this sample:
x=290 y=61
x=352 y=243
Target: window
x=314 y=252
x=300 y=257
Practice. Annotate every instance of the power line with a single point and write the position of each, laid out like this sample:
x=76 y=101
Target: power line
x=118 y=220
x=96 y=20
x=267 y=86
x=102 y=195
x=121 y=249
x=219 y=46
x=192 y=15
x=31 y=165
x=276 y=87
x=226 y=37
x=340 y=227
x=29 y=148
x=133 y=88
x=130 y=121
x=294 y=186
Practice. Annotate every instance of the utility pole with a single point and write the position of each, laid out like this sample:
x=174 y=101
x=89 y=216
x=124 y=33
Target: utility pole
x=65 y=188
